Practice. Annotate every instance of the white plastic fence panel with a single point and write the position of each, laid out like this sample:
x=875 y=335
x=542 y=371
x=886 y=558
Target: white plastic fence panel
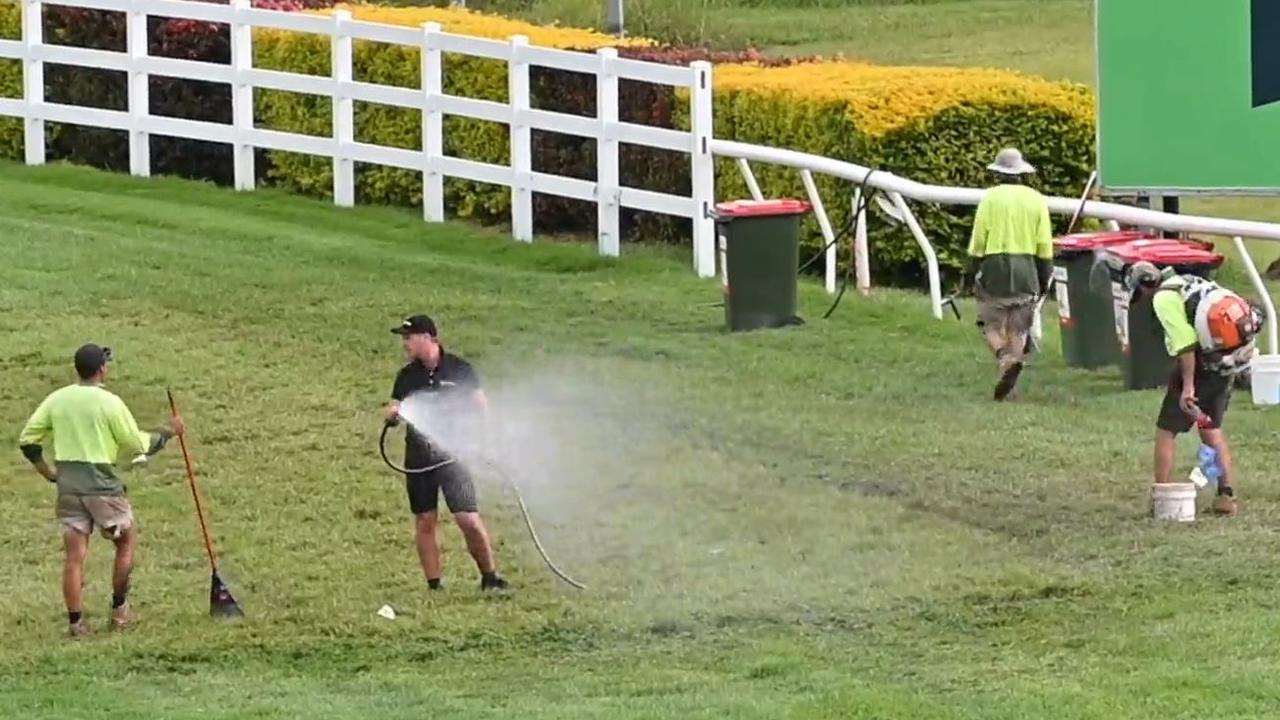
x=340 y=86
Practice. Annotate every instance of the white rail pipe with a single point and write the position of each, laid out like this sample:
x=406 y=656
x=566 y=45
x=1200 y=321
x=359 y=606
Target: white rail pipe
x=922 y=192
x=753 y=187
x=1263 y=293
x=861 y=257
x=930 y=257
x=824 y=224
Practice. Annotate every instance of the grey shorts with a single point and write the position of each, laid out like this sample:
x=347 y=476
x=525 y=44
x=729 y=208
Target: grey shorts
x=112 y=514
x=1012 y=316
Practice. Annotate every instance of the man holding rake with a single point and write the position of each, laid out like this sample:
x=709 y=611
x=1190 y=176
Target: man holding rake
x=91 y=428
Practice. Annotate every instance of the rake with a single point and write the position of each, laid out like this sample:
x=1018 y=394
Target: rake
x=221 y=602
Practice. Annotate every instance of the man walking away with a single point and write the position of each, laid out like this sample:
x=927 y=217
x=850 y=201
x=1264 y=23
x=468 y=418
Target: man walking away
x=1011 y=261
x=432 y=370
x=91 y=429
x=1211 y=332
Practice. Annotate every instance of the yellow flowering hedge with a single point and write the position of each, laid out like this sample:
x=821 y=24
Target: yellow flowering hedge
x=934 y=125
x=381 y=63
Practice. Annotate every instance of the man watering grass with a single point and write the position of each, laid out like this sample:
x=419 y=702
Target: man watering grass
x=1211 y=331
x=433 y=370
x=91 y=428
x=1011 y=261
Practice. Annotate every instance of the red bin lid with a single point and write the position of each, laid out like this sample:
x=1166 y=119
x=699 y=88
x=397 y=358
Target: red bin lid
x=1089 y=241
x=1166 y=252
x=761 y=208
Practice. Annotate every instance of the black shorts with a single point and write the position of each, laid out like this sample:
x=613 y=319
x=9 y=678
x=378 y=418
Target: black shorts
x=452 y=480
x=1213 y=394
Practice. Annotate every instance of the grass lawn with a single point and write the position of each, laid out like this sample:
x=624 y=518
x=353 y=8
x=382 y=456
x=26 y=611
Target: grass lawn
x=826 y=521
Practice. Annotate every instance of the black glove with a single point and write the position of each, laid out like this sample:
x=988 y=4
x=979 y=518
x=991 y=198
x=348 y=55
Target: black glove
x=970 y=276
x=1044 y=269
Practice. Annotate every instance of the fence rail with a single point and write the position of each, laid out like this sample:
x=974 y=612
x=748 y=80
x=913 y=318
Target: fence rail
x=341 y=87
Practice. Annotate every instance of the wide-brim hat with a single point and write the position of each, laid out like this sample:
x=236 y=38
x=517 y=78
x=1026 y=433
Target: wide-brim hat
x=1009 y=161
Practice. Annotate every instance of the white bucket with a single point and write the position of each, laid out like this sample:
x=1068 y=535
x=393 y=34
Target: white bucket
x=1173 y=501
x=1265 y=379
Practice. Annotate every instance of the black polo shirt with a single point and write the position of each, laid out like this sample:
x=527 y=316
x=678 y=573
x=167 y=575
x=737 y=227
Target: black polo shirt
x=451 y=376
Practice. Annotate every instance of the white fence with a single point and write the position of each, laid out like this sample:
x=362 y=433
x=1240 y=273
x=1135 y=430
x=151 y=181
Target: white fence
x=606 y=191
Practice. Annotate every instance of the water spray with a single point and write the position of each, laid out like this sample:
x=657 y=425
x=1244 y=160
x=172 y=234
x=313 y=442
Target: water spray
x=497 y=470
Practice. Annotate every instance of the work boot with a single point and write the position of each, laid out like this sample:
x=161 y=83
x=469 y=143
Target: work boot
x=1226 y=505
x=122 y=618
x=493 y=582
x=78 y=629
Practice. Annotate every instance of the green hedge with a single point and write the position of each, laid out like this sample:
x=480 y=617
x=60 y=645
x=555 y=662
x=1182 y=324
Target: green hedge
x=10 y=82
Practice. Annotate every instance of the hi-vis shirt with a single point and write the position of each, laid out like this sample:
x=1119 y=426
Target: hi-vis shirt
x=90 y=428
x=1011 y=229
x=1179 y=334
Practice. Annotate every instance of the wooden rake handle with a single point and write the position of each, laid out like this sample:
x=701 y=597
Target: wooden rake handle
x=191 y=480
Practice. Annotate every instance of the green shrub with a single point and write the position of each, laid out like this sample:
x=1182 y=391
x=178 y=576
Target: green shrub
x=10 y=82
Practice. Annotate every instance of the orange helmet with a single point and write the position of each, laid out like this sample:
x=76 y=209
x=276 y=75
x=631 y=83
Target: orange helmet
x=1227 y=321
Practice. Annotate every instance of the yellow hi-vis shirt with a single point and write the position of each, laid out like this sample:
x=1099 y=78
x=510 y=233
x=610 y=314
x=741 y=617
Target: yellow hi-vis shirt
x=1180 y=335
x=90 y=427
x=1010 y=230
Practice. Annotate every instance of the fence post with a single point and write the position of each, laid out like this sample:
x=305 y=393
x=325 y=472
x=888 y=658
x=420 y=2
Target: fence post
x=432 y=125
x=344 y=176
x=139 y=92
x=860 y=255
x=33 y=76
x=242 y=95
x=702 y=170
x=521 y=142
x=608 y=199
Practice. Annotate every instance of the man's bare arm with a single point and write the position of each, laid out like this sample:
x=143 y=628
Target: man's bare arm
x=1187 y=367
x=42 y=466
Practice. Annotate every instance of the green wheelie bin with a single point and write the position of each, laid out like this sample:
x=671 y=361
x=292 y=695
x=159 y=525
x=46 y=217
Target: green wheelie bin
x=1085 y=315
x=758 y=244
x=1144 y=359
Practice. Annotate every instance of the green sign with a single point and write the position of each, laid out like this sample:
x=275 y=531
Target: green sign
x=1189 y=95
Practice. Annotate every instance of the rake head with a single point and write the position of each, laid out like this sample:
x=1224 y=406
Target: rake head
x=221 y=603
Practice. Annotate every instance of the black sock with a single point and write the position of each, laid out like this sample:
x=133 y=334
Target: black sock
x=116 y=600
x=1226 y=490
x=488 y=576
x=434 y=583
x=73 y=616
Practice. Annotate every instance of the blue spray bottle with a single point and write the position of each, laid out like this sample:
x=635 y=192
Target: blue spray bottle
x=1209 y=467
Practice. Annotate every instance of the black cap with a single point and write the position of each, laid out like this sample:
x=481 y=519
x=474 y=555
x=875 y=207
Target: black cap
x=90 y=359
x=416 y=325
